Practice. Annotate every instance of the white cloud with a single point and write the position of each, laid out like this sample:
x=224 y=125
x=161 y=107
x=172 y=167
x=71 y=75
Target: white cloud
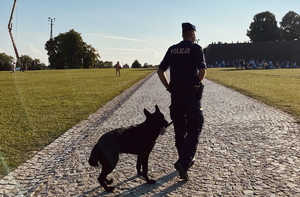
x=134 y=51
x=34 y=53
x=125 y=49
x=117 y=38
x=35 y=50
x=153 y=51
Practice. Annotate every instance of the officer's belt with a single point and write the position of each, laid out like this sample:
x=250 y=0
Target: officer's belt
x=184 y=84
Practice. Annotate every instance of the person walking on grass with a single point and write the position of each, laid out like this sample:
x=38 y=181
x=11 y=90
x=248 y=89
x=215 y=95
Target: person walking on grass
x=118 y=68
x=12 y=68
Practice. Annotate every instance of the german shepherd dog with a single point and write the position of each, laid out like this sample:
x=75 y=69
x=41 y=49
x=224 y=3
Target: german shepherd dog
x=138 y=139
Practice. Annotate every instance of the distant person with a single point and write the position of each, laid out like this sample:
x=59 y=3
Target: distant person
x=118 y=68
x=23 y=67
x=12 y=67
x=265 y=65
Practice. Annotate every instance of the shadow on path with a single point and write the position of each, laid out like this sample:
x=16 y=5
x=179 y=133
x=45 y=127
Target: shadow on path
x=142 y=189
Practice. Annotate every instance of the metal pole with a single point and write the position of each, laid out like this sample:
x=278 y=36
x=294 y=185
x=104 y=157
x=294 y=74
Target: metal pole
x=52 y=21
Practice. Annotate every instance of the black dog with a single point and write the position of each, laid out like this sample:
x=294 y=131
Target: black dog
x=138 y=140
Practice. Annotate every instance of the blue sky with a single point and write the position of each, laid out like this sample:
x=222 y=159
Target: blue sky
x=125 y=30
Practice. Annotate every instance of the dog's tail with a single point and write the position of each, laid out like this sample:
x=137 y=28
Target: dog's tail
x=95 y=154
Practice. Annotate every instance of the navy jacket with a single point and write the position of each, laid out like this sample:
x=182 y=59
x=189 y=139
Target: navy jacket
x=184 y=60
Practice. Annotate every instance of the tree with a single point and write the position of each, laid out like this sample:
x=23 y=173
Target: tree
x=55 y=60
x=90 y=56
x=145 y=65
x=290 y=26
x=68 y=50
x=72 y=49
x=106 y=64
x=35 y=65
x=264 y=28
x=5 y=61
x=136 y=64
x=26 y=60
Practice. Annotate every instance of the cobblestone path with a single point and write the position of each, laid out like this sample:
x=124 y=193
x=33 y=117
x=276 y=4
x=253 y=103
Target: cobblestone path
x=246 y=149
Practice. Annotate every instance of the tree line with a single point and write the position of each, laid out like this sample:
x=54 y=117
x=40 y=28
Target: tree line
x=65 y=51
x=68 y=51
x=25 y=61
x=264 y=27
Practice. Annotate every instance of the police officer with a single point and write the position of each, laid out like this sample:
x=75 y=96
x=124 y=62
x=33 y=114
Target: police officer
x=187 y=70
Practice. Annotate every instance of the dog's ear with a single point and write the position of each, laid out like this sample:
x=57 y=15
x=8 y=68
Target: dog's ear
x=156 y=109
x=147 y=113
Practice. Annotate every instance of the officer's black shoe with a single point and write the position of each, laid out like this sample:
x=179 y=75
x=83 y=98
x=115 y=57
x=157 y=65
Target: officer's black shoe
x=182 y=173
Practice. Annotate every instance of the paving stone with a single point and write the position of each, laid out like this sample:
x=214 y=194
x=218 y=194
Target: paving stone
x=246 y=148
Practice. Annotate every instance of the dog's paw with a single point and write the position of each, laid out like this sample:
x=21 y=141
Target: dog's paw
x=109 y=181
x=140 y=173
x=151 y=181
x=109 y=189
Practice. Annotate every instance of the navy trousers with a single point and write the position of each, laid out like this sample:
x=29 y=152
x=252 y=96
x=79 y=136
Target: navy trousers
x=187 y=116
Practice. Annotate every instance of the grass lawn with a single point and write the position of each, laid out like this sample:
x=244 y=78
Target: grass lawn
x=38 y=106
x=276 y=87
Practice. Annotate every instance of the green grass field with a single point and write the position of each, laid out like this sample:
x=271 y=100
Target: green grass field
x=38 y=106
x=276 y=87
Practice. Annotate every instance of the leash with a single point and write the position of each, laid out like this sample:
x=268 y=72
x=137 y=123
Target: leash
x=169 y=124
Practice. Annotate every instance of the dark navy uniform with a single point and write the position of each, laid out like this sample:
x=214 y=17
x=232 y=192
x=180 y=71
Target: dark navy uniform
x=184 y=60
